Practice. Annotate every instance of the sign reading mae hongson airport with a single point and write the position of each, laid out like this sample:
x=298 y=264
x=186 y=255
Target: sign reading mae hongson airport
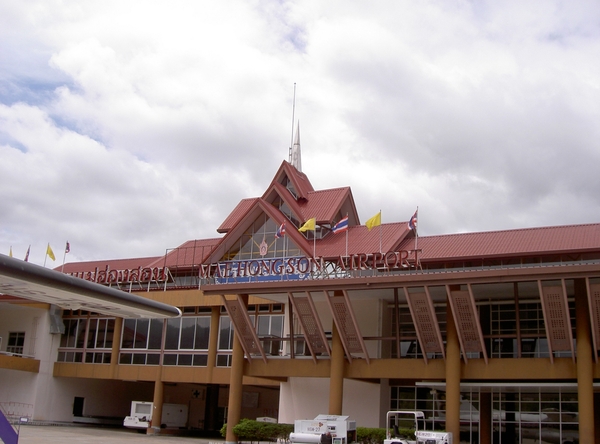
x=293 y=268
x=301 y=267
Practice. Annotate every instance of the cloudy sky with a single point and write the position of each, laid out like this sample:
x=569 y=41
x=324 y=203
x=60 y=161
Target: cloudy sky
x=130 y=127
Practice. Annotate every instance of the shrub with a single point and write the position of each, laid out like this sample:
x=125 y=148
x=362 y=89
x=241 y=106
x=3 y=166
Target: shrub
x=250 y=430
x=369 y=435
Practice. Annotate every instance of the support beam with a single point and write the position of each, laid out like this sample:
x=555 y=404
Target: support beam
x=116 y=347
x=157 y=406
x=336 y=378
x=234 y=405
x=453 y=366
x=485 y=418
x=585 y=366
x=213 y=340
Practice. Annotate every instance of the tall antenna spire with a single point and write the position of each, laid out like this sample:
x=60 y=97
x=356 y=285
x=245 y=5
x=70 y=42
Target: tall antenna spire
x=292 y=137
x=296 y=154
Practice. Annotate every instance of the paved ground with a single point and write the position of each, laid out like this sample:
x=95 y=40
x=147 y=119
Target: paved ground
x=33 y=434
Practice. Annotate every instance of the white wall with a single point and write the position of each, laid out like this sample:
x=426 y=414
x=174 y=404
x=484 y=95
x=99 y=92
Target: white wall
x=17 y=318
x=102 y=398
x=305 y=398
x=18 y=387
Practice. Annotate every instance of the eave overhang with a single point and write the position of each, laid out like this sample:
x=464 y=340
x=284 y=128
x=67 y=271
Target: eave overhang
x=30 y=281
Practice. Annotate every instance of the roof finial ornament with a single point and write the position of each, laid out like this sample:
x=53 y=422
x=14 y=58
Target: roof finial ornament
x=295 y=157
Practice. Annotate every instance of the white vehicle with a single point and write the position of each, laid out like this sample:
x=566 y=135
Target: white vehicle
x=173 y=415
x=397 y=419
x=332 y=429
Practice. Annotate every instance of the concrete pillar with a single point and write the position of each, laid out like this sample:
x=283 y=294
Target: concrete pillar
x=336 y=375
x=585 y=374
x=116 y=347
x=157 y=404
x=213 y=340
x=234 y=409
x=452 y=377
x=485 y=418
x=597 y=416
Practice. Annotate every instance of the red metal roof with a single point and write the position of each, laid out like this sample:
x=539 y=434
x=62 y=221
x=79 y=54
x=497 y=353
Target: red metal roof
x=361 y=240
x=324 y=205
x=287 y=197
x=188 y=254
x=529 y=241
x=236 y=214
x=300 y=181
x=114 y=264
x=248 y=217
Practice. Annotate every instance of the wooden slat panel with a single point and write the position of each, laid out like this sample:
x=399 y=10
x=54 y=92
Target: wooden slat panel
x=244 y=328
x=311 y=326
x=425 y=320
x=466 y=321
x=345 y=325
x=594 y=300
x=558 y=322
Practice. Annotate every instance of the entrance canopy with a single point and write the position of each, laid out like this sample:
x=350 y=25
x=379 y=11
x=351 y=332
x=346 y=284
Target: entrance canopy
x=21 y=279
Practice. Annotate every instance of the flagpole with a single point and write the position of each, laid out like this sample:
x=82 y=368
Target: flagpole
x=46 y=256
x=380 y=232
x=347 y=229
x=62 y=269
x=417 y=230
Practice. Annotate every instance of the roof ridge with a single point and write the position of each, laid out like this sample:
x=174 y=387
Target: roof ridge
x=512 y=230
x=328 y=189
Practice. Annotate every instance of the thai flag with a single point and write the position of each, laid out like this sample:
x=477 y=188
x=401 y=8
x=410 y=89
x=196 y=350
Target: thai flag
x=342 y=225
x=412 y=223
x=280 y=231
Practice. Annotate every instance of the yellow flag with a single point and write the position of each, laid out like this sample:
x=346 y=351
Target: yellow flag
x=374 y=221
x=10 y=251
x=50 y=253
x=309 y=225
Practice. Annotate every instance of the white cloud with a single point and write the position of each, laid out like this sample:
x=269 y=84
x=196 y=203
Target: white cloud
x=130 y=127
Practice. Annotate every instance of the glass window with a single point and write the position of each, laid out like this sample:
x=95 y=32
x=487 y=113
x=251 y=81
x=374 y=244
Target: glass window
x=79 y=342
x=172 y=334
x=91 y=341
x=141 y=333
x=202 y=333
x=128 y=333
x=103 y=327
x=188 y=326
x=68 y=337
x=155 y=335
x=16 y=341
x=225 y=333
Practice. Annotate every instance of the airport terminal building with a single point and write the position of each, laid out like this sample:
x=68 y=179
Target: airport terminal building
x=298 y=309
